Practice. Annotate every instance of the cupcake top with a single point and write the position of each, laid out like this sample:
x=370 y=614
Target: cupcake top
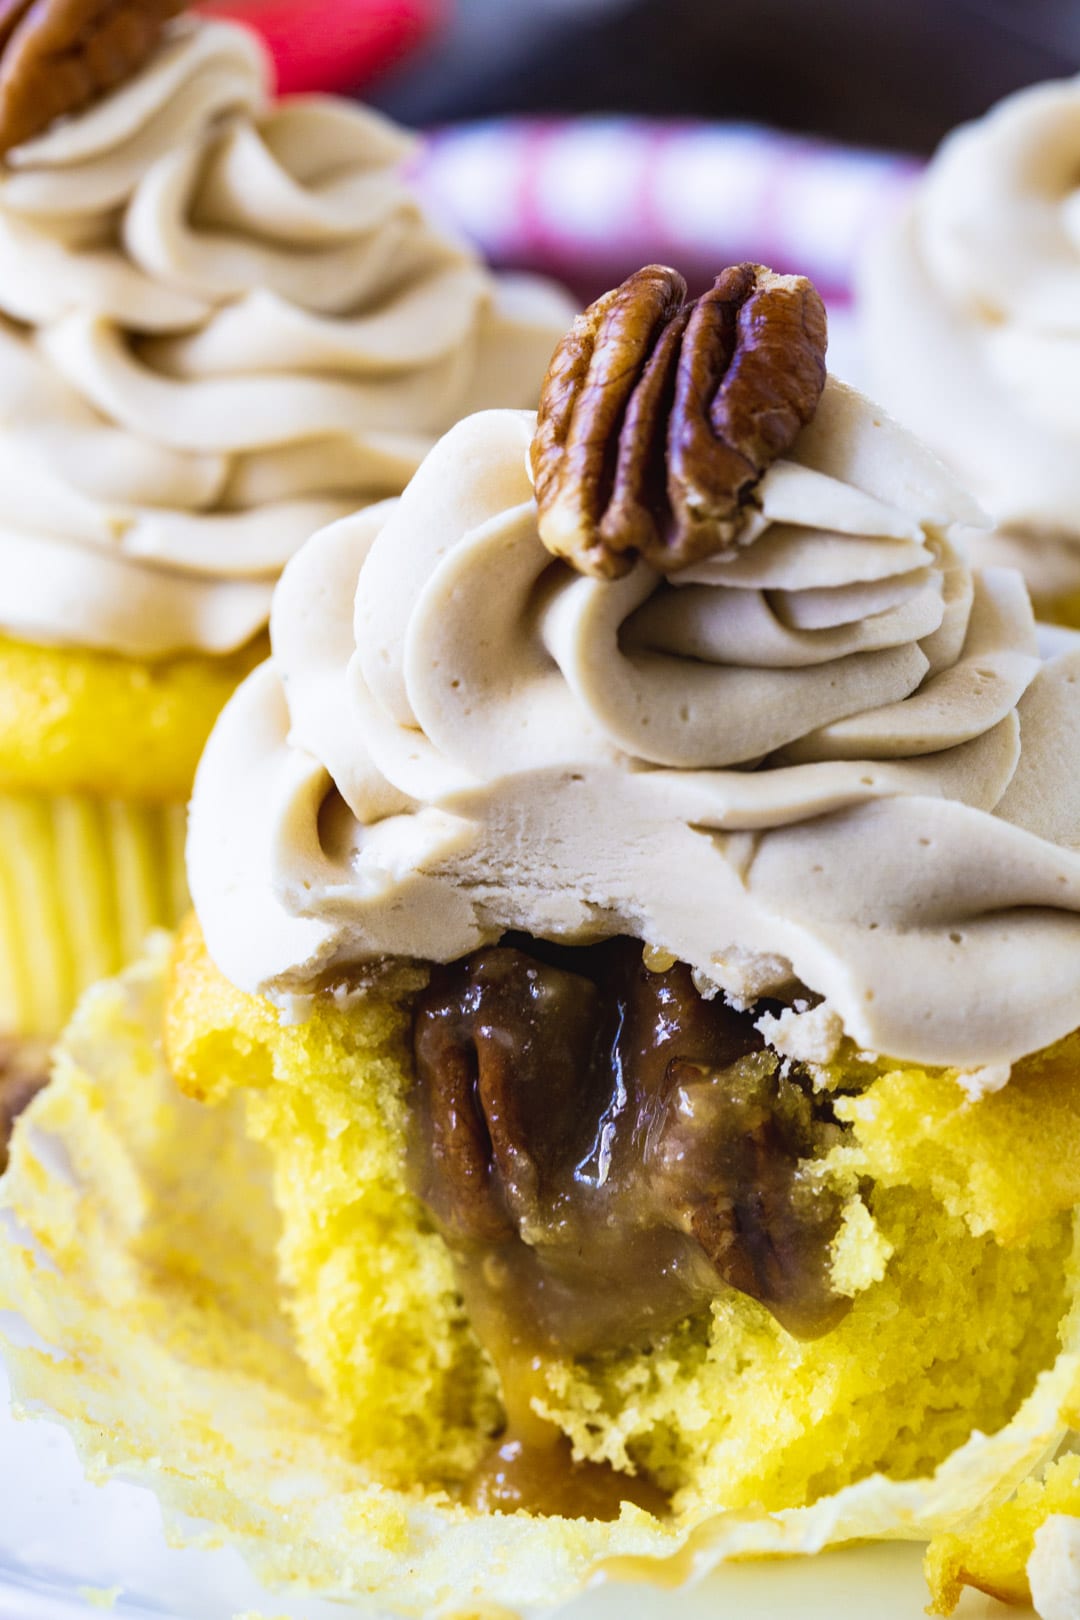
x=224 y=321
x=792 y=762
x=970 y=307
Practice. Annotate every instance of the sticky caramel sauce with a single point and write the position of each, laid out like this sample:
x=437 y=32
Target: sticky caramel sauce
x=530 y=1467
x=522 y=1476
x=604 y=1152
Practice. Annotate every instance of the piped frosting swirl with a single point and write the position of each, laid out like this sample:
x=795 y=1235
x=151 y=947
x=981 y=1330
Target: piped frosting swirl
x=799 y=765
x=970 y=305
x=226 y=321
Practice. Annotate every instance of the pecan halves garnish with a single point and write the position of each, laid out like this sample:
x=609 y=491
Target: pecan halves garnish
x=658 y=418
x=57 y=56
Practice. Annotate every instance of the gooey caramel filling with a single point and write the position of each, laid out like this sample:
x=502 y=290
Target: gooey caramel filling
x=24 y=1071
x=604 y=1151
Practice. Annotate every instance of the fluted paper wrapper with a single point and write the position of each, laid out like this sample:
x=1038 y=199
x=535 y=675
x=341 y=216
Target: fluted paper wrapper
x=82 y=882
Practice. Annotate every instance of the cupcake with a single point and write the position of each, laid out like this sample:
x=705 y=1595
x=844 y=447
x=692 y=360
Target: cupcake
x=224 y=321
x=622 y=1071
x=968 y=307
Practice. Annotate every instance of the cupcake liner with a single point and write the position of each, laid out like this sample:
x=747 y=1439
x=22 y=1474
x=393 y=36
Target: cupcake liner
x=82 y=882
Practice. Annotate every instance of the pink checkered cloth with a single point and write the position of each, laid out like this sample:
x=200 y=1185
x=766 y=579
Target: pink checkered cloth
x=589 y=199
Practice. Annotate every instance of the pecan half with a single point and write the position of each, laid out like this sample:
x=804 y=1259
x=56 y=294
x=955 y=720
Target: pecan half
x=658 y=418
x=501 y=1042
x=57 y=56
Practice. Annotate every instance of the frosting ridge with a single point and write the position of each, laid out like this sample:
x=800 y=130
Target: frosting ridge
x=977 y=286
x=224 y=321
x=457 y=735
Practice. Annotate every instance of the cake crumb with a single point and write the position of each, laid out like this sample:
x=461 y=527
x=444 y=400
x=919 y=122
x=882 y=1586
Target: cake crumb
x=805 y=1034
x=860 y=1251
x=746 y=976
x=101 y=1597
x=977 y=1083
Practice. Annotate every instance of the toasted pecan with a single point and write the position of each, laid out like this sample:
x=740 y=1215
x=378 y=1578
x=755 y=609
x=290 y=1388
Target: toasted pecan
x=58 y=56
x=658 y=418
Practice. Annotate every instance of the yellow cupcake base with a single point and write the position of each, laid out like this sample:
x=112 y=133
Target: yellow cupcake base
x=179 y=1280
x=83 y=880
x=77 y=721
x=961 y=1270
x=97 y=760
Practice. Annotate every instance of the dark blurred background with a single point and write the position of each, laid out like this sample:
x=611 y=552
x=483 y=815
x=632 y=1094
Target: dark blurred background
x=890 y=73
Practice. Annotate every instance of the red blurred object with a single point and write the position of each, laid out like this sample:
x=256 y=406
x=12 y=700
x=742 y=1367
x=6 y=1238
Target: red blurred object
x=334 y=44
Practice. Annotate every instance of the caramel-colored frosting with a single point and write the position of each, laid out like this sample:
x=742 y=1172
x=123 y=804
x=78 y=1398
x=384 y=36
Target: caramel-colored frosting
x=800 y=765
x=224 y=321
x=970 y=320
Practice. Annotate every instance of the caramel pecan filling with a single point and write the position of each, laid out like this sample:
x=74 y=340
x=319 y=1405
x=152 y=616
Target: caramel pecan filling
x=605 y=1151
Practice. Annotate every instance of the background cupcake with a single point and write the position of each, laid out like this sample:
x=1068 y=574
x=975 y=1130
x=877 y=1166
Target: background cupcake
x=970 y=318
x=225 y=321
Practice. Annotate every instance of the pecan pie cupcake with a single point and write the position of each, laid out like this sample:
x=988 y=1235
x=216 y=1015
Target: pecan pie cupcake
x=224 y=321
x=628 y=1033
x=970 y=306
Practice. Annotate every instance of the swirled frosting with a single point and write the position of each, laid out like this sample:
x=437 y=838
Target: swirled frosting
x=224 y=321
x=800 y=765
x=970 y=306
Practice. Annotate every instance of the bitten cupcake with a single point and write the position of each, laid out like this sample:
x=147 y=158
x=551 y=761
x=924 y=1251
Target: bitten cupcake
x=970 y=321
x=629 y=1026
x=224 y=321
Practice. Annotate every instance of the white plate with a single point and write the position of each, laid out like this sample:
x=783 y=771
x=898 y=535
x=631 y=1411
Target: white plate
x=69 y=1549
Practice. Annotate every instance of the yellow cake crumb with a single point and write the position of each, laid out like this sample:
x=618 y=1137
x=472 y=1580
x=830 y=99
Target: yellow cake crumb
x=992 y=1555
x=377 y=1315
x=737 y=1411
x=1002 y=1163
x=155 y=1256
x=101 y=1597
x=74 y=720
x=860 y=1251
x=959 y=1261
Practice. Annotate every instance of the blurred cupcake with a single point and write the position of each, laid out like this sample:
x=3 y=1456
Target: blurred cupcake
x=223 y=322
x=636 y=980
x=970 y=321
